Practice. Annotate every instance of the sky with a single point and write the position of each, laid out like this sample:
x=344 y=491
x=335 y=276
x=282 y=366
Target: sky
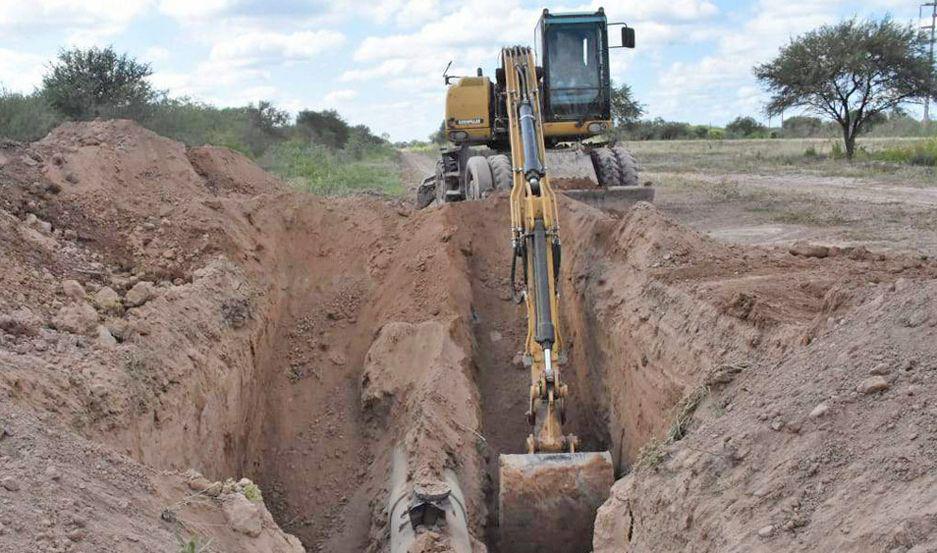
x=380 y=62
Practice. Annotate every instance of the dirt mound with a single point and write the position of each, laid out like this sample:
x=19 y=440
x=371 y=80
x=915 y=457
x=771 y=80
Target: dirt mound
x=165 y=309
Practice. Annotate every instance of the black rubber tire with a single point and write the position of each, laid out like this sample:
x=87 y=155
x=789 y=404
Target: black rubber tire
x=627 y=166
x=606 y=167
x=478 y=180
x=501 y=171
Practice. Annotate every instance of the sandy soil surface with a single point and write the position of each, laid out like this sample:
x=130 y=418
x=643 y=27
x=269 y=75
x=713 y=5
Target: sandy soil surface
x=191 y=352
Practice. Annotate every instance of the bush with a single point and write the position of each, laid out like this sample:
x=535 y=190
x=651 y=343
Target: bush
x=716 y=134
x=921 y=153
x=95 y=82
x=25 y=117
x=745 y=127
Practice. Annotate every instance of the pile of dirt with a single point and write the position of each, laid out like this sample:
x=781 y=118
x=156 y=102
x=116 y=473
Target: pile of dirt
x=168 y=313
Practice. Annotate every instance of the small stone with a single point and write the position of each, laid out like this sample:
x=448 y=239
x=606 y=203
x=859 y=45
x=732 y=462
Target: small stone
x=777 y=424
x=881 y=369
x=20 y=322
x=105 y=339
x=169 y=254
x=820 y=410
x=118 y=328
x=53 y=473
x=518 y=361
x=108 y=300
x=337 y=357
x=242 y=514
x=766 y=531
x=73 y=289
x=141 y=293
x=78 y=534
x=44 y=227
x=10 y=483
x=806 y=249
x=872 y=385
x=77 y=318
x=199 y=483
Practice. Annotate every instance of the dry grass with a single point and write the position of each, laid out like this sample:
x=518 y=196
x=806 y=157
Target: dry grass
x=810 y=156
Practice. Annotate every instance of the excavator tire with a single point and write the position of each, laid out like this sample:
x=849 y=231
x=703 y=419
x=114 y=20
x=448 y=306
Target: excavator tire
x=606 y=167
x=627 y=166
x=501 y=171
x=478 y=178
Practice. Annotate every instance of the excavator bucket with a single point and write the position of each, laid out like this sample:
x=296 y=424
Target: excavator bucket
x=572 y=171
x=548 y=501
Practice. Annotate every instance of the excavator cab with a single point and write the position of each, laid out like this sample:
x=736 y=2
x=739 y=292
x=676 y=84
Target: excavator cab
x=572 y=49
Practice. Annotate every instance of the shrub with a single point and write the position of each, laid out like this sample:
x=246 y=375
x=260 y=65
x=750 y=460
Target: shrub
x=25 y=117
x=921 y=153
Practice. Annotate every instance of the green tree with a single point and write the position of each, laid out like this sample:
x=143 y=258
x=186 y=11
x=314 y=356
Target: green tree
x=803 y=126
x=850 y=72
x=95 y=82
x=323 y=127
x=744 y=127
x=439 y=137
x=625 y=109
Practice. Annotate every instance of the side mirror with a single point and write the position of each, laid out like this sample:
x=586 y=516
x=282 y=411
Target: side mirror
x=627 y=37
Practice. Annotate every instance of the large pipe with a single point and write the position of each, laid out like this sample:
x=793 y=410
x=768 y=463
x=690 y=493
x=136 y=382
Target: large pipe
x=437 y=506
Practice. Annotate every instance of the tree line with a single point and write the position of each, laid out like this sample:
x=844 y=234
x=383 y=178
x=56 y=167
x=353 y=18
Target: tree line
x=84 y=84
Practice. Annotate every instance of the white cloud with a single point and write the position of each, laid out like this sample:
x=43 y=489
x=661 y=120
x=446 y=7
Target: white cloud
x=271 y=48
x=723 y=81
x=19 y=71
x=188 y=9
x=156 y=54
x=83 y=21
x=339 y=96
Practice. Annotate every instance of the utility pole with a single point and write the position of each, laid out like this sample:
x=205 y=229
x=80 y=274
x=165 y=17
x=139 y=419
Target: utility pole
x=933 y=25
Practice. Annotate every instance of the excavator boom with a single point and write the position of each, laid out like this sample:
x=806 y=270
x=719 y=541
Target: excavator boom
x=549 y=495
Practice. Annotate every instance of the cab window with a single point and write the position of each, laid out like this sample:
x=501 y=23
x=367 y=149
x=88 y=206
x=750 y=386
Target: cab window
x=574 y=69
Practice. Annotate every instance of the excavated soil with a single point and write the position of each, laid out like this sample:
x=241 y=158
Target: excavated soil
x=191 y=350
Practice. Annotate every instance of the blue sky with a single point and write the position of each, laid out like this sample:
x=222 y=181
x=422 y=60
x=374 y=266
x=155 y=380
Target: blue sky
x=380 y=62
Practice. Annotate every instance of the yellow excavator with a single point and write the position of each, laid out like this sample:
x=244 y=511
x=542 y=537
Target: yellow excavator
x=573 y=88
x=540 y=101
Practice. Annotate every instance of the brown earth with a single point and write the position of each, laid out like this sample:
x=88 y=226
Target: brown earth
x=222 y=323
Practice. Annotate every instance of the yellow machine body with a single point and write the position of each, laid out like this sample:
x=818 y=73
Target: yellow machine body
x=468 y=110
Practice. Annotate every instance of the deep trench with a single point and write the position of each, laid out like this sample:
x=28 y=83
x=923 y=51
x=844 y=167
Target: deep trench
x=305 y=440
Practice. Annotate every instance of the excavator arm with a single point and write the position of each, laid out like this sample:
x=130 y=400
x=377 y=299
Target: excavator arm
x=548 y=496
x=536 y=243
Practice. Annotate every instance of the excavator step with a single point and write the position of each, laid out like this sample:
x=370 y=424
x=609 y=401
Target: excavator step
x=547 y=501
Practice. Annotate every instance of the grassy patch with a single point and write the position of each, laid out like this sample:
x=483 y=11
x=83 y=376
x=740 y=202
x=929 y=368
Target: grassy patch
x=653 y=452
x=327 y=172
x=193 y=544
x=252 y=492
x=922 y=153
x=903 y=160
